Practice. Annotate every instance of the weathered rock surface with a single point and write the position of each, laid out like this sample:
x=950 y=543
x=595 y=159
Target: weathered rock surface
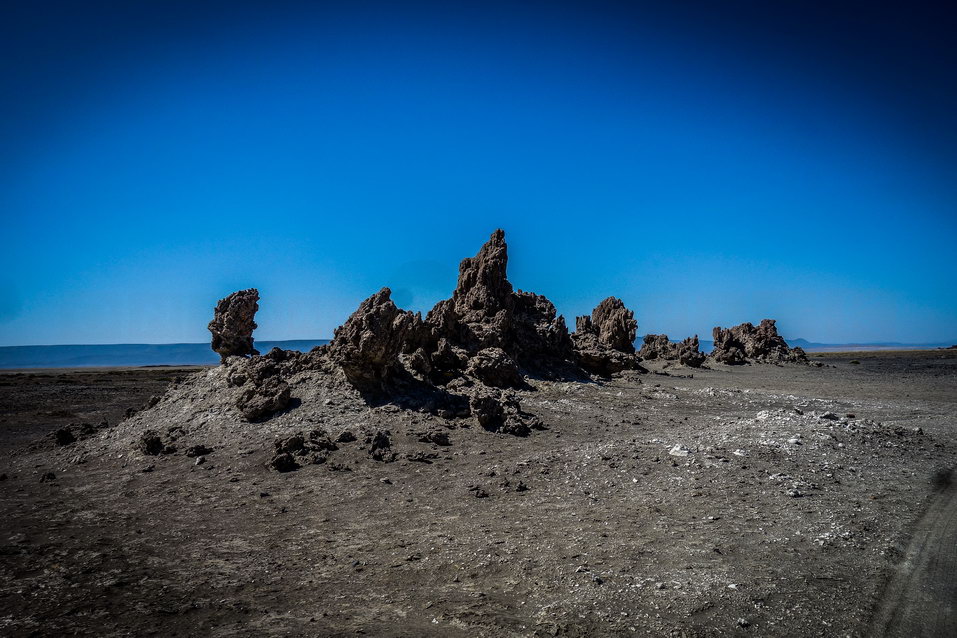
x=748 y=343
x=500 y=411
x=485 y=312
x=493 y=367
x=367 y=346
x=233 y=324
x=659 y=347
x=263 y=389
x=604 y=341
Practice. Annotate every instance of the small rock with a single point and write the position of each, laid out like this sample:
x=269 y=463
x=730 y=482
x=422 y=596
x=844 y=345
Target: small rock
x=679 y=450
x=284 y=462
x=200 y=460
x=345 y=436
x=64 y=436
x=198 y=450
x=47 y=477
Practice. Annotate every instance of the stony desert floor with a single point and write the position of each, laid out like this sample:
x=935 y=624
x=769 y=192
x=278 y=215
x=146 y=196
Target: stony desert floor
x=748 y=501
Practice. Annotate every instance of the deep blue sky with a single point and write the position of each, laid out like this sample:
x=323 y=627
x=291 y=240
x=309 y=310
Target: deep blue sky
x=710 y=163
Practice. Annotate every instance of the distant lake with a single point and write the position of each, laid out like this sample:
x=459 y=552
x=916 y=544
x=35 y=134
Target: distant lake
x=130 y=354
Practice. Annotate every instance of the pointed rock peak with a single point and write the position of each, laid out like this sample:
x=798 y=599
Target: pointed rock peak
x=483 y=283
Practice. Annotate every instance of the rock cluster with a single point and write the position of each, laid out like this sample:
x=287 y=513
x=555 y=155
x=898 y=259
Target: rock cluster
x=233 y=324
x=660 y=347
x=465 y=353
x=469 y=354
x=605 y=341
x=747 y=343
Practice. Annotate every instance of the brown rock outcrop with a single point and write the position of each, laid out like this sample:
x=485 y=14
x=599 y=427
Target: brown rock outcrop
x=494 y=368
x=367 y=346
x=660 y=347
x=485 y=312
x=748 y=343
x=233 y=324
x=604 y=341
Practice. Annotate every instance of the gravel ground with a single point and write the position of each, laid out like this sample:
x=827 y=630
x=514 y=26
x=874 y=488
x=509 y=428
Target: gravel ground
x=761 y=501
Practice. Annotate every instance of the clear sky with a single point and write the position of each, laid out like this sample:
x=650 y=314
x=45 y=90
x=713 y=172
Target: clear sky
x=709 y=163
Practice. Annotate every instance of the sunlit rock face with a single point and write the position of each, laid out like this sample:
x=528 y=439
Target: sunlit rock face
x=233 y=324
x=746 y=343
x=604 y=341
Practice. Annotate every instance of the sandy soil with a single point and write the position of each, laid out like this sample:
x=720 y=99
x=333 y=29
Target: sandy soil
x=742 y=501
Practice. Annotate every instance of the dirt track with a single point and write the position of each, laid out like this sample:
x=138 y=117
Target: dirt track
x=921 y=599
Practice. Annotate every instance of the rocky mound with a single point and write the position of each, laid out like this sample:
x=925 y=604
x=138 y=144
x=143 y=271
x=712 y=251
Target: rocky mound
x=470 y=361
x=747 y=343
x=660 y=347
x=605 y=341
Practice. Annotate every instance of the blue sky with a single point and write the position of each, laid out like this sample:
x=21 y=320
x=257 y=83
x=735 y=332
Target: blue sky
x=707 y=167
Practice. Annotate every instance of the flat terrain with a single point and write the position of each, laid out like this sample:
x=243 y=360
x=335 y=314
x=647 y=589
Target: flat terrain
x=753 y=501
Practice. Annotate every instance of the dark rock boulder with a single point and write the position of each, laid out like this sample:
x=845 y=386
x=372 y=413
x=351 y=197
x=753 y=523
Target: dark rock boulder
x=367 y=346
x=263 y=389
x=233 y=324
x=493 y=367
x=748 y=343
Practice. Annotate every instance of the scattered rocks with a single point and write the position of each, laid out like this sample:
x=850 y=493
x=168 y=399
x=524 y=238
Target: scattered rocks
x=233 y=324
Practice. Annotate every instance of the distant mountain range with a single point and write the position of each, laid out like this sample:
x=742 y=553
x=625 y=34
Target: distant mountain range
x=181 y=354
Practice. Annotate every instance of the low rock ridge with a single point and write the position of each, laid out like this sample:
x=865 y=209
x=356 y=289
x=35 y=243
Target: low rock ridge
x=747 y=343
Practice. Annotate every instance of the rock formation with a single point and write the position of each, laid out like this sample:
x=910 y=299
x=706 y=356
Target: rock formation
x=604 y=341
x=660 y=347
x=485 y=312
x=746 y=343
x=263 y=391
x=233 y=324
x=367 y=346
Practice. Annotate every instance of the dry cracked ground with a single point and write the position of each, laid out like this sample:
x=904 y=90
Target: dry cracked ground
x=749 y=501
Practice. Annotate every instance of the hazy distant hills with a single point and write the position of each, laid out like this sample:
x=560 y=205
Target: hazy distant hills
x=180 y=354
